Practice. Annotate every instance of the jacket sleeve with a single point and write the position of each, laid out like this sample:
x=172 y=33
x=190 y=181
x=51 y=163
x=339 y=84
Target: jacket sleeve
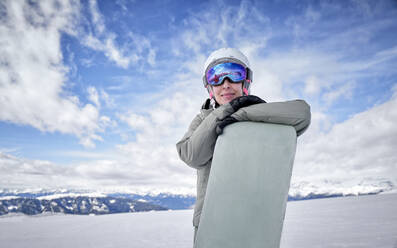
x=197 y=145
x=294 y=113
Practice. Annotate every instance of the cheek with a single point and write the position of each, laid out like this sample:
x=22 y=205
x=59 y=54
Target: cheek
x=216 y=90
x=238 y=88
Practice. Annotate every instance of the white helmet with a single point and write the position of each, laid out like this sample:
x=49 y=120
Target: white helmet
x=228 y=55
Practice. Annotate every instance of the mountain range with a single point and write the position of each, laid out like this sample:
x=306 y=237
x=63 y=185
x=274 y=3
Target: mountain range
x=38 y=201
x=69 y=202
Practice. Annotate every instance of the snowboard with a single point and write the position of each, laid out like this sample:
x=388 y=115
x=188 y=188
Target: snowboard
x=248 y=186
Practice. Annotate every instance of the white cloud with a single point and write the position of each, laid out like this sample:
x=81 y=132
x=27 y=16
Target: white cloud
x=102 y=40
x=97 y=19
x=93 y=95
x=108 y=47
x=152 y=57
x=108 y=100
x=153 y=153
x=345 y=91
x=88 y=141
x=234 y=26
x=123 y=5
x=17 y=172
x=362 y=147
x=81 y=154
x=137 y=122
x=135 y=49
x=312 y=85
x=121 y=175
x=32 y=76
x=142 y=48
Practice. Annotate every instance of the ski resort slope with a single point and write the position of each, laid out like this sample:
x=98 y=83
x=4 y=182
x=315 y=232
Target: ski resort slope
x=363 y=221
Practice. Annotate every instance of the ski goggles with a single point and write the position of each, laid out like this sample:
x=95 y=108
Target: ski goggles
x=234 y=71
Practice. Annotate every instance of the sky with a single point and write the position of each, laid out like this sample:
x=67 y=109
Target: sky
x=94 y=95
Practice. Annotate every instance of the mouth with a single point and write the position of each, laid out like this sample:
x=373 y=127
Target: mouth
x=227 y=97
x=227 y=94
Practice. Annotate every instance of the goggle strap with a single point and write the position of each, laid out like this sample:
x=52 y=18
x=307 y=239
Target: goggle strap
x=209 y=91
x=249 y=74
x=245 y=91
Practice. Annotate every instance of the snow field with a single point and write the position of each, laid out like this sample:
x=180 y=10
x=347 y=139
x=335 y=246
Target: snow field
x=363 y=221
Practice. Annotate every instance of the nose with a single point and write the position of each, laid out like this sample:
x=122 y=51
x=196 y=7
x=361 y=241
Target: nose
x=226 y=83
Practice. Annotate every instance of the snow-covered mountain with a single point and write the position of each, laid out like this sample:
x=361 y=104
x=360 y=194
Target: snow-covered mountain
x=330 y=188
x=73 y=205
x=36 y=201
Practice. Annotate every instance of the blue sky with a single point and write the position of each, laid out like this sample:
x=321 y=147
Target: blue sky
x=95 y=94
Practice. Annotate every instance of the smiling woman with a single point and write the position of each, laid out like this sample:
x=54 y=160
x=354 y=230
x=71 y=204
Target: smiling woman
x=229 y=102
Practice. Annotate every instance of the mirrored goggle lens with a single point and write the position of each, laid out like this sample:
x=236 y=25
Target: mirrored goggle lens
x=235 y=72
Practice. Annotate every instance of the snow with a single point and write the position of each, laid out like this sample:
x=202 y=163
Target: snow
x=72 y=195
x=332 y=187
x=100 y=208
x=7 y=198
x=144 y=229
x=393 y=191
x=10 y=208
x=362 y=221
x=83 y=205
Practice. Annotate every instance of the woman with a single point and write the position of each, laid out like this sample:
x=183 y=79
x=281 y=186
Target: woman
x=227 y=78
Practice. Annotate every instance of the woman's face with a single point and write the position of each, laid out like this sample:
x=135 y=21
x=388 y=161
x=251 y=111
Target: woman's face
x=227 y=91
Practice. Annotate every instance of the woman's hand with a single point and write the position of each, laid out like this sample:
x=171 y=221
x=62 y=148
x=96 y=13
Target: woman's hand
x=244 y=101
x=222 y=124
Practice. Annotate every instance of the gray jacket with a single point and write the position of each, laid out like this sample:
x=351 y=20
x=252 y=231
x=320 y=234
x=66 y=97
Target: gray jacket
x=197 y=145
